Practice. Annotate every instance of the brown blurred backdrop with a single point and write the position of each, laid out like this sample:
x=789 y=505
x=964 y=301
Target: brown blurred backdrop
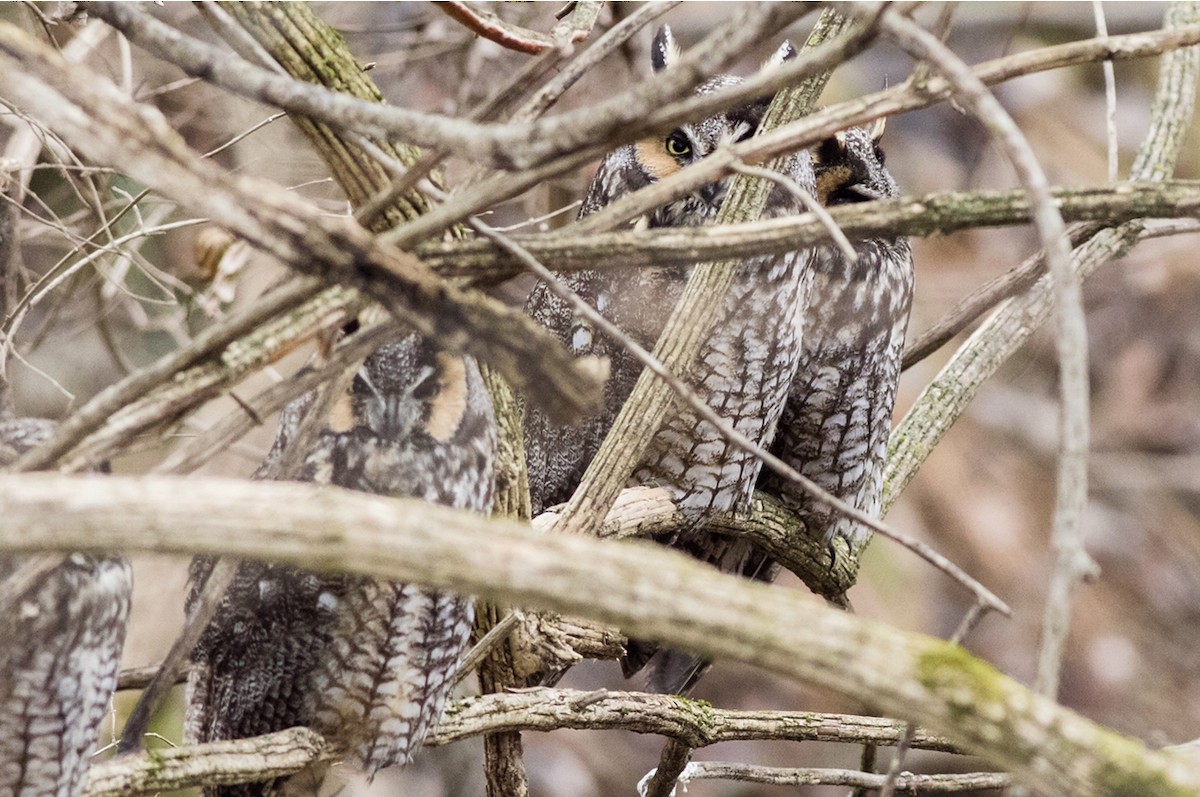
x=983 y=498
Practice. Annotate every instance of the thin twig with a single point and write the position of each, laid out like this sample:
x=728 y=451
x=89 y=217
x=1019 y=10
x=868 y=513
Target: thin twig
x=892 y=778
x=495 y=635
x=506 y=34
x=1110 y=96
x=810 y=203
x=138 y=678
x=169 y=672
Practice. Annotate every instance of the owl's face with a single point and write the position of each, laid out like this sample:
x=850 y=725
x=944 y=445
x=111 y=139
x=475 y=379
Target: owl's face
x=416 y=422
x=850 y=168
x=408 y=388
x=661 y=156
x=634 y=166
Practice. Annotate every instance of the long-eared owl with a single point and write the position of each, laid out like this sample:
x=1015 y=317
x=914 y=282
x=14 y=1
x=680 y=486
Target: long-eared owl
x=835 y=426
x=366 y=662
x=743 y=370
x=61 y=636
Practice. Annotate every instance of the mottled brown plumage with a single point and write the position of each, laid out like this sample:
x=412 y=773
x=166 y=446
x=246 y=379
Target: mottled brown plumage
x=61 y=634
x=743 y=370
x=365 y=661
x=835 y=425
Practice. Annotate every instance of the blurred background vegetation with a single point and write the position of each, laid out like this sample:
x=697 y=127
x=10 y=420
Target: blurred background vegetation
x=983 y=498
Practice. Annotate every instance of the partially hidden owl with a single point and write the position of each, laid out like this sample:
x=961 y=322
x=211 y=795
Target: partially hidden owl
x=743 y=370
x=835 y=425
x=366 y=662
x=61 y=635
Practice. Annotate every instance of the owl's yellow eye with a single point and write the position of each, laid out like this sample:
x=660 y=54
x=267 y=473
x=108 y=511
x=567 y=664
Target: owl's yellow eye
x=677 y=145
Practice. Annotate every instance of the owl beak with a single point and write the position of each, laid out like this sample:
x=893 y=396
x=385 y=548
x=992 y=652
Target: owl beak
x=862 y=193
x=713 y=193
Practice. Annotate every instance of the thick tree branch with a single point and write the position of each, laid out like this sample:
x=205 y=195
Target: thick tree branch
x=929 y=215
x=649 y=591
x=691 y=722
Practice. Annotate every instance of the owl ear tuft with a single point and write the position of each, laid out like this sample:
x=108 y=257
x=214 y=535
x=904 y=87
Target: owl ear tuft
x=786 y=52
x=663 y=51
x=831 y=150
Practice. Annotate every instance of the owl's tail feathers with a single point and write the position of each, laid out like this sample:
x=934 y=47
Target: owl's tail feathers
x=638 y=653
x=675 y=672
x=384 y=678
x=305 y=783
x=669 y=671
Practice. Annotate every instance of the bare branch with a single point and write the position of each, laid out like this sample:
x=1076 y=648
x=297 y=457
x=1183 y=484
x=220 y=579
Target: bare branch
x=518 y=146
x=907 y=781
x=138 y=138
x=652 y=592
x=1071 y=328
x=514 y=37
x=945 y=398
x=940 y=213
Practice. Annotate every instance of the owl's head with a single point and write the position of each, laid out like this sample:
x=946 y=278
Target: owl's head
x=408 y=387
x=849 y=167
x=657 y=157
